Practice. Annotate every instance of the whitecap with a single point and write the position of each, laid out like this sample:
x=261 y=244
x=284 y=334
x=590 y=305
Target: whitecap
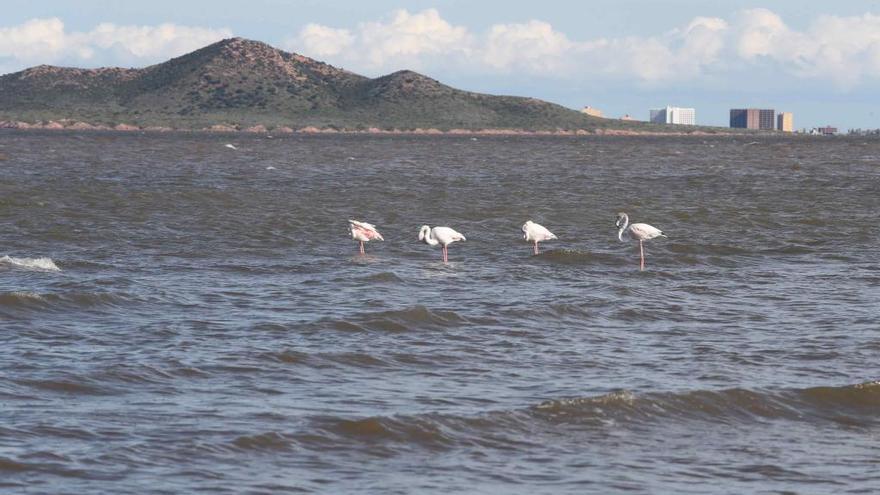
x=44 y=264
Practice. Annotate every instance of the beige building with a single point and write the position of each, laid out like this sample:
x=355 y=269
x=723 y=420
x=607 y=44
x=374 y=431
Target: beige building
x=593 y=112
x=785 y=122
x=753 y=118
x=628 y=117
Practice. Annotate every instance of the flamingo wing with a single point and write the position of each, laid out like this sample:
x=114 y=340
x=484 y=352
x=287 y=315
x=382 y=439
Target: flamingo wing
x=644 y=231
x=364 y=231
x=540 y=233
x=447 y=235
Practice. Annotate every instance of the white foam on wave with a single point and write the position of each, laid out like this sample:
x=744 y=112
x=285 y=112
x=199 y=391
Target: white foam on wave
x=44 y=264
x=27 y=295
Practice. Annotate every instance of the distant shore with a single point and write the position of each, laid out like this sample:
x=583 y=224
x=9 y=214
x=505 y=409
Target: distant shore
x=69 y=125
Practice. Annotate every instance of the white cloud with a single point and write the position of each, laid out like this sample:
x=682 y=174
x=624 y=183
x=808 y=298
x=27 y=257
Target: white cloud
x=34 y=39
x=403 y=39
x=844 y=50
x=532 y=46
x=321 y=41
x=680 y=54
x=46 y=41
x=408 y=37
x=151 y=42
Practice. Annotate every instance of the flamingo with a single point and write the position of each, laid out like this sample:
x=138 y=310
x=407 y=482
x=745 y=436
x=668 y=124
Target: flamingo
x=440 y=235
x=640 y=231
x=363 y=232
x=536 y=233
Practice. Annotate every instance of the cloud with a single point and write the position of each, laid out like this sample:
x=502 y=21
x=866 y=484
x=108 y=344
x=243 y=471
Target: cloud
x=843 y=50
x=403 y=39
x=407 y=36
x=533 y=46
x=321 y=41
x=680 y=54
x=46 y=41
x=34 y=39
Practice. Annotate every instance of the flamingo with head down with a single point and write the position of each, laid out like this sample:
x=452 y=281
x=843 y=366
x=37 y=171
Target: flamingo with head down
x=444 y=236
x=640 y=231
x=363 y=232
x=535 y=233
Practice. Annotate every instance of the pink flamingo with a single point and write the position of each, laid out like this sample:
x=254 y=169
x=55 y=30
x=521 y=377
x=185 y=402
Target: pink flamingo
x=363 y=232
x=640 y=231
x=440 y=235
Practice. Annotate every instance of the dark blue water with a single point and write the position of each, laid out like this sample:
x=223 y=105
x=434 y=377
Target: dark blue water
x=181 y=317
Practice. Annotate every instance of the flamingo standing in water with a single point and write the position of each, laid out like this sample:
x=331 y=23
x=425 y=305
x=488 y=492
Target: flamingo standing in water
x=363 y=232
x=443 y=236
x=640 y=231
x=533 y=232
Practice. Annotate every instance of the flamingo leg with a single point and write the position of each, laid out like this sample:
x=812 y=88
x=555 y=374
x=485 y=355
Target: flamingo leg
x=536 y=247
x=642 y=255
x=445 y=255
x=362 y=248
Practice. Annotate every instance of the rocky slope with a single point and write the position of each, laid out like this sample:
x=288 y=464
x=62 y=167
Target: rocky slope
x=240 y=83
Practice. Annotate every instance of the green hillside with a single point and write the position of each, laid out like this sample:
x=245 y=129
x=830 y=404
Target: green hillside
x=245 y=83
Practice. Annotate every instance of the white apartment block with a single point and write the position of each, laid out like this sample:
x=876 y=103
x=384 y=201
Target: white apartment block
x=674 y=115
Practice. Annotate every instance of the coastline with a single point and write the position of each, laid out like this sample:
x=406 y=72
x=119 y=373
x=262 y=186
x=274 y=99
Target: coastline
x=70 y=125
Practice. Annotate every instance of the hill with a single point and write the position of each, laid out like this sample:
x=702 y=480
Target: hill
x=243 y=83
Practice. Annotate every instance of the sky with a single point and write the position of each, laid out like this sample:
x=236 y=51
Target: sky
x=817 y=59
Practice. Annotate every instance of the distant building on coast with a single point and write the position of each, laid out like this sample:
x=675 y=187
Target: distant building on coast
x=629 y=117
x=674 y=115
x=753 y=118
x=785 y=122
x=825 y=131
x=593 y=112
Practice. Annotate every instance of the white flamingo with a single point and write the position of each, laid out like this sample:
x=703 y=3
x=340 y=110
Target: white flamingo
x=363 y=232
x=640 y=231
x=443 y=236
x=533 y=232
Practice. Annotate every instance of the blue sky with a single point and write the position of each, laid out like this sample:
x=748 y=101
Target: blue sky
x=818 y=59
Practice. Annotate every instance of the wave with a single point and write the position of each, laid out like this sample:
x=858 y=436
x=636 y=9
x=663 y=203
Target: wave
x=626 y=407
x=325 y=359
x=70 y=300
x=264 y=441
x=574 y=256
x=383 y=277
x=74 y=386
x=848 y=406
x=731 y=405
x=40 y=264
x=403 y=320
x=9 y=465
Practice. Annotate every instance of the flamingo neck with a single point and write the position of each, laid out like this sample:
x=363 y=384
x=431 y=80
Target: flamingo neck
x=623 y=228
x=429 y=238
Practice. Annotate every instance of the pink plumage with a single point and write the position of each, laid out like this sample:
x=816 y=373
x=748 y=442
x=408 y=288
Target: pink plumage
x=363 y=232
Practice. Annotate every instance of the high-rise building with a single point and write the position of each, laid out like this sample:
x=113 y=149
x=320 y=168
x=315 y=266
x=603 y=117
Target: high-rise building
x=753 y=118
x=785 y=122
x=674 y=115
